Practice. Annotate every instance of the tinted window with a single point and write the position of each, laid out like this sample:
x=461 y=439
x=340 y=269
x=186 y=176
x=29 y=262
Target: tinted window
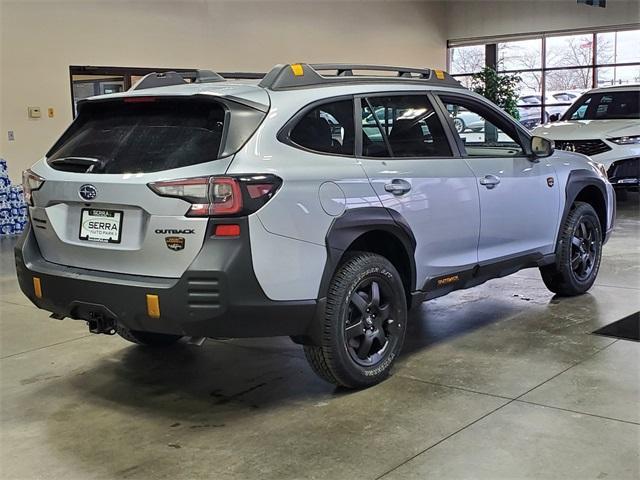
x=581 y=110
x=605 y=106
x=402 y=126
x=139 y=137
x=328 y=128
x=483 y=132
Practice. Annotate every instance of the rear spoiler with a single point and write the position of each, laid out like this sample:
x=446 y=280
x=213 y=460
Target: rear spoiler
x=165 y=79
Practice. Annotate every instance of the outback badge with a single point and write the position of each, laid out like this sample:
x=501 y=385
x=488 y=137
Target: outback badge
x=174 y=243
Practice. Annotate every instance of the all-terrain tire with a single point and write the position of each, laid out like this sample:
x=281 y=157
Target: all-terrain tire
x=337 y=360
x=149 y=339
x=577 y=258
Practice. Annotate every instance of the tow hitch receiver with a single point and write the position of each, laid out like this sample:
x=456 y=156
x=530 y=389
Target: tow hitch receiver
x=98 y=317
x=98 y=323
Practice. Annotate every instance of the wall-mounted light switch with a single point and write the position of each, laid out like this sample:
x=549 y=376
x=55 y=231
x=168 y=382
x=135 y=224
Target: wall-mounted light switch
x=10 y=136
x=34 y=112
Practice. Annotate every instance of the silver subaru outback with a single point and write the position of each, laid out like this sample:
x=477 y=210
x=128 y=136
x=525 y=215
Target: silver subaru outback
x=321 y=203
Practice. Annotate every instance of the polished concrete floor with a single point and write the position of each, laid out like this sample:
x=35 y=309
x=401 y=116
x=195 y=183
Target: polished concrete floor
x=503 y=381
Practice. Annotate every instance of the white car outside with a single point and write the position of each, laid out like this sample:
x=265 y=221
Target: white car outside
x=603 y=124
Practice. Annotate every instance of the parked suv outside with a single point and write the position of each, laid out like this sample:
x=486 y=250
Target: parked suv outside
x=321 y=207
x=605 y=124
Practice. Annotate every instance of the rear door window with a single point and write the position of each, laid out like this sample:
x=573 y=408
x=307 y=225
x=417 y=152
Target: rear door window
x=135 y=135
x=326 y=128
x=402 y=126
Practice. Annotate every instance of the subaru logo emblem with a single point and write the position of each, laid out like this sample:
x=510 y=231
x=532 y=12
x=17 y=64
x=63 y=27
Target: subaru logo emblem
x=88 y=192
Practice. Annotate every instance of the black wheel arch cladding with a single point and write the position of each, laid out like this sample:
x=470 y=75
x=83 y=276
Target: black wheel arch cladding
x=581 y=184
x=369 y=222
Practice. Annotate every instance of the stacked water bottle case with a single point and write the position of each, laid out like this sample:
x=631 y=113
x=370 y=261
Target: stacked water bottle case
x=13 y=209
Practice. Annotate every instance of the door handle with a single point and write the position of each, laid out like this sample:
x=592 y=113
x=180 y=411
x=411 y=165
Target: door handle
x=490 y=181
x=398 y=186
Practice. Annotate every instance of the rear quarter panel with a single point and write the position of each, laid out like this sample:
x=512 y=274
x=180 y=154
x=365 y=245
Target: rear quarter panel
x=316 y=189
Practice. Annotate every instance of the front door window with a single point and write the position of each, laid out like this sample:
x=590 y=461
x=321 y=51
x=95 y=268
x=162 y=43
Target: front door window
x=482 y=131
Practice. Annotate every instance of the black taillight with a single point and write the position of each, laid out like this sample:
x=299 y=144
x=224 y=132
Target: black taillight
x=30 y=183
x=220 y=196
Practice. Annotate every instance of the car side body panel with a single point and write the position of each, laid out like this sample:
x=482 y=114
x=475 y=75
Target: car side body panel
x=443 y=191
x=517 y=215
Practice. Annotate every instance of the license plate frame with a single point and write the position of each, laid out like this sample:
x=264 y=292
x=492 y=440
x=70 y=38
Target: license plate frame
x=104 y=213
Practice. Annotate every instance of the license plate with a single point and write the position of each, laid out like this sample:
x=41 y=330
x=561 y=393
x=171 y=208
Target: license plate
x=98 y=225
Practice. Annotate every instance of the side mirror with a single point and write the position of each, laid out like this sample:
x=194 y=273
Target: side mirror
x=542 y=147
x=554 y=117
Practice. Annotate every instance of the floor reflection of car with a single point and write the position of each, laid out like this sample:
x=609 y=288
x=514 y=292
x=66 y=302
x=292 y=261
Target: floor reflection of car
x=556 y=103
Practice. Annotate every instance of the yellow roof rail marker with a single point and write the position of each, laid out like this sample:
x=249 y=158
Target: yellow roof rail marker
x=37 y=287
x=297 y=69
x=153 y=306
x=439 y=74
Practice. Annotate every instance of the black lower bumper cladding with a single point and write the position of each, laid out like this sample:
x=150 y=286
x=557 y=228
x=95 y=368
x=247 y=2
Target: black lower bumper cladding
x=625 y=173
x=218 y=296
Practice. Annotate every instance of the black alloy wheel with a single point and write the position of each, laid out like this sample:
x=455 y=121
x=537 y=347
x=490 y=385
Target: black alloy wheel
x=370 y=329
x=584 y=249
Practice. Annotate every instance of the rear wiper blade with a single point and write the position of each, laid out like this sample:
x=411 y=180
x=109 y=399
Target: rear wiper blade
x=90 y=164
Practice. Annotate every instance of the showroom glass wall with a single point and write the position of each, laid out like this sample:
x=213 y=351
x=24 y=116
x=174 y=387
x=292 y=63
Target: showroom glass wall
x=555 y=68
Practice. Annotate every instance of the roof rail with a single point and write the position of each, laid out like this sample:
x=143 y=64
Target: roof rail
x=165 y=79
x=298 y=75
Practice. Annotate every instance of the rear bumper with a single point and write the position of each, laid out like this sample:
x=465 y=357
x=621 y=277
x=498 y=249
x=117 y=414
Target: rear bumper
x=218 y=295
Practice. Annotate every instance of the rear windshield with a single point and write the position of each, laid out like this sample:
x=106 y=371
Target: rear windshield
x=605 y=106
x=140 y=136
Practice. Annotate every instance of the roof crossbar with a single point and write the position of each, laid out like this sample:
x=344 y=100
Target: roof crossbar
x=242 y=75
x=165 y=79
x=299 y=75
x=347 y=70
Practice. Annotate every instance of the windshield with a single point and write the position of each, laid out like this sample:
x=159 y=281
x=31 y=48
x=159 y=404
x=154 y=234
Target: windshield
x=121 y=137
x=605 y=106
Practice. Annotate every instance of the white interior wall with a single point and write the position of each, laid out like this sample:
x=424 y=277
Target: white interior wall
x=40 y=39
